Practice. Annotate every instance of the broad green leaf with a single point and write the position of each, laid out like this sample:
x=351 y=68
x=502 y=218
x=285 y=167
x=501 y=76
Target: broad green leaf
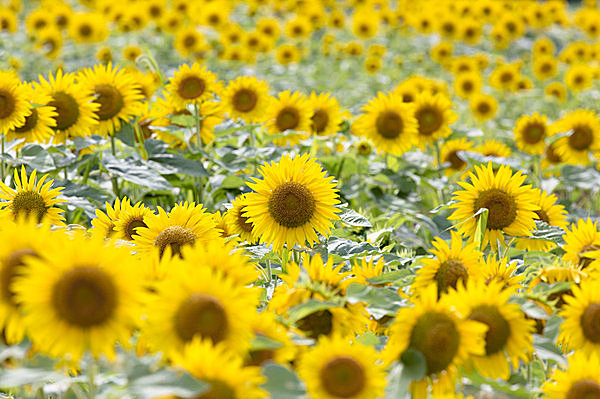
x=380 y=301
x=309 y=307
x=260 y=342
x=354 y=218
x=481 y=227
x=135 y=171
x=390 y=277
x=167 y=383
x=282 y=383
x=184 y=120
x=546 y=350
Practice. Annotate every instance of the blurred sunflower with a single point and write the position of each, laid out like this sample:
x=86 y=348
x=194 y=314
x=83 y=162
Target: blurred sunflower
x=88 y=28
x=187 y=39
x=295 y=201
x=287 y=53
x=583 y=136
x=493 y=148
x=483 y=106
x=37 y=127
x=14 y=104
x=449 y=153
x=582 y=243
x=366 y=269
x=505 y=76
x=130 y=218
x=501 y=271
x=281 y=351
x=192 y=85
x=337 y=368
x=87 y=289
x=544 y=67
x=221 y=224
x=327 y=114
x=289 y=111
x=530 y=133
x=434 y=115
x=364 y=23
x=466 y=85
x=237 y=223
x=579 y=77
x=580 y=380
x=556 y=90
x=104 y=223
x=579 y=330
x=247 y=98
x=551 y=157
x=511 y=205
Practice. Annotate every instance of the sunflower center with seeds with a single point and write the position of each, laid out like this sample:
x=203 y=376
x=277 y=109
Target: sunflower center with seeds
x=429 y=120
x=132 y=225
x=85 y=297
x=67 y=110
x=191 y=87
x=546 y=67
x=435 y=335
x=85 y=30
x=590 y=322
x=501 y=206
x=189 y=41
x=31 y=121
x=456 y=162
x=498 y=328
x=449 y=273
x=243 y=222
x=201 y=315
x=110 y=100
x=389 y=124
x=8 y=272
x=484 y=108
x=320 y=119
x=581 y=138
x=28 y=203
x=316 y=324
x=7 y=104
x=291 y=204
x=534 y=133
x=467 y=86
x=176 y=237
x=584 y=389
x=287 y=118
x=343 y=377
x=244 y=100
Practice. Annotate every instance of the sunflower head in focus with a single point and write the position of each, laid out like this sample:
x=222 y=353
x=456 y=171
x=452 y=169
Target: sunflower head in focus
x=130 y=218
x=511 y=205
x=237 y=223
x=501 y=271
x=38 y=125
x=579 y=330
x=327 y=114
x=193 y=85
x=580 y=380
x=289 y=111
x=247 y=98
x=434 y=115
x=295 y=201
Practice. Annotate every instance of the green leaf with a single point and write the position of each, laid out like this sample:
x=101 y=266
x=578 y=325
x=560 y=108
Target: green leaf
x=167 y=383
x=348 y=249
x=353 y=218
x=261 y=342
x=282 y=383
x=543 y=231
x=183 y=120
x=309 y=307
x=381 y=301
x=414 y=365
x=546 y=350
x=135 y=171
x=369 y=339
x=390 y=277
x=552 y=328
x=481 y=227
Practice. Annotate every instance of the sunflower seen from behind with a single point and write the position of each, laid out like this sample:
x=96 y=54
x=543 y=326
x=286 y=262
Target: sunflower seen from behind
x=294 y=201
x=247 y=98
x=14 y=102
x=511 y=205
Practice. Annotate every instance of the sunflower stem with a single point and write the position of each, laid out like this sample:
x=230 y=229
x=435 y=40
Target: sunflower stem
x=92 y=370
x=284 y=260
x=2 y=163
x=269 y=272
x=115 y=182
x=197 y=117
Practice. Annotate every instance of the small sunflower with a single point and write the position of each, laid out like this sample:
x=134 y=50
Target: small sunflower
x=31 y=198
x=389 y=123
x=581 y=379
x=450 y=153
x=581 y=241
x=14 y=102
x=579 y=77
x=505 y=76
x=104 y=223
x=466 y=85
x=117 y=95
x=434 y=115
x=287 y=53
x=530 y=133
x=130 y=218
x=365 y=270
x=493 y=148
x=508 y=339
x=433 y=328
x=237 y=223
x=501 y=271
x=219 y=218
x=453 y=264
x=192 y=85
x=511 y=204
x=37 y=127
x=545 y=67
x=483 y=107
x=583 y=136
x=338 y=368
x=289 y=111
x=87 y=289
x=186 y=224
x=556 y=90
x=247 y=98
x=295 y=201
x=187 y=40
x=327 y=114
x=579 y=330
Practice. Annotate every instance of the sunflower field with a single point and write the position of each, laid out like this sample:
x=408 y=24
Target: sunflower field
x=296 y=199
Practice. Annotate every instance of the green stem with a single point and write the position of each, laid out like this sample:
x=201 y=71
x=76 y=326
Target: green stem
x=66 y=175
x=2 y=163
x=92 y=370
x=114 y=181
x=197 y=117
x=269 y=272
x=284 y=260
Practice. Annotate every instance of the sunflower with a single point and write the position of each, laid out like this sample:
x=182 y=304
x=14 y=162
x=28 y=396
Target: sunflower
x=483 y=106
x=579 y=77
x=289 y=111
x=73 y=103
x=556 y=90
x=282 y=351
x=192 y=85
x=295 y=201
x=31 y=198
x=558 y=272
x=327 y=114
x=22 y=239
x=436 y=330
x=580 y=380
x=104 y=223
x=237 y=223
x=450 y=154
x=583 y=135
x=87 y=289
x=493 y=148
x=117 y=95
x=222 y=369
x=505 y=76
x=366 y=269
x=508 y=329
x=544 y=67
x=501 y=271
x=550 y=212
x=186 y=224
x=131 y=52
x=298 y=28
x=364 y=147
x=188 y=41
x=247 y=98
x=551 y=157
x=339 y=367
x=221 y=224
x=453 y=264
x=530 y=133
x=581 y=241
x=511 y=205
x=466 y=85
x=434 y=114
x=197 y=301
x=130 y=218
x=287 y=53
x=389 y=123
x=14 y=102
x=49 y=41
x=37 y=127
x=579 y=330
x=442 y=52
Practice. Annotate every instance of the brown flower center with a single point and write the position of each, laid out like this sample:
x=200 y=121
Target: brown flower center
x=581 y=138
x=202 y=315
x=506 y=77
x=320 y=120
x=316 y=324
x=7 y=104
x=389 y=124
x=343 y=377
x=584 y=389
x=590 y=322
x=449 y=273
x=176 y=237
x=30 y=122
x=191 y=87
x=502 y=208
x=584 y=261
x=430 y=120
x=110 y=100
x=484 y=108
x=292 y=204
x=243 y=221
x=543 y=215
x=189 y=41
x=534 y=133
x=132 y=225
x=456 y=161
x=498 y=328
x=85 y=31
x=287 y=118
x=435 y=335
x=28 y=203
x=85 y=296
x=9 y=270
x=468 y=86
x=66 y=108
x=551 y=154
x=244 y=100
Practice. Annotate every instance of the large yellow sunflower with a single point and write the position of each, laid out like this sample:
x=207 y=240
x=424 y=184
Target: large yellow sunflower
x=193 y=85
x=87 y=289
x=193 y=300
x=104 y=223
x=239 y=224
x=185 y=224
x=437 y=331
x=389 y=123
x=339 y=367
x=579 y=330
x=583 y=136
x=434 y=115
x=222 y=369
x=32 y=198
x=453 y=264
x=117 y=94
x=73 y=103
x=511 y=205
x=327 y=114
x=14 y=102
x=289 y=111
x=247 y=98
x=508 y=329
x=530 y=133
x=580 y=380
x=37 y=127
x=295 y=201
x=582 y=241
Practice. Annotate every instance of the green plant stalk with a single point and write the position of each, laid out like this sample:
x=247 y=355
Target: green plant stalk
x=284 y=260
x=197 y=118
x=2 y=166
x=140 y=139
x=269 y=272
x=114 y=181
x=92 y=370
